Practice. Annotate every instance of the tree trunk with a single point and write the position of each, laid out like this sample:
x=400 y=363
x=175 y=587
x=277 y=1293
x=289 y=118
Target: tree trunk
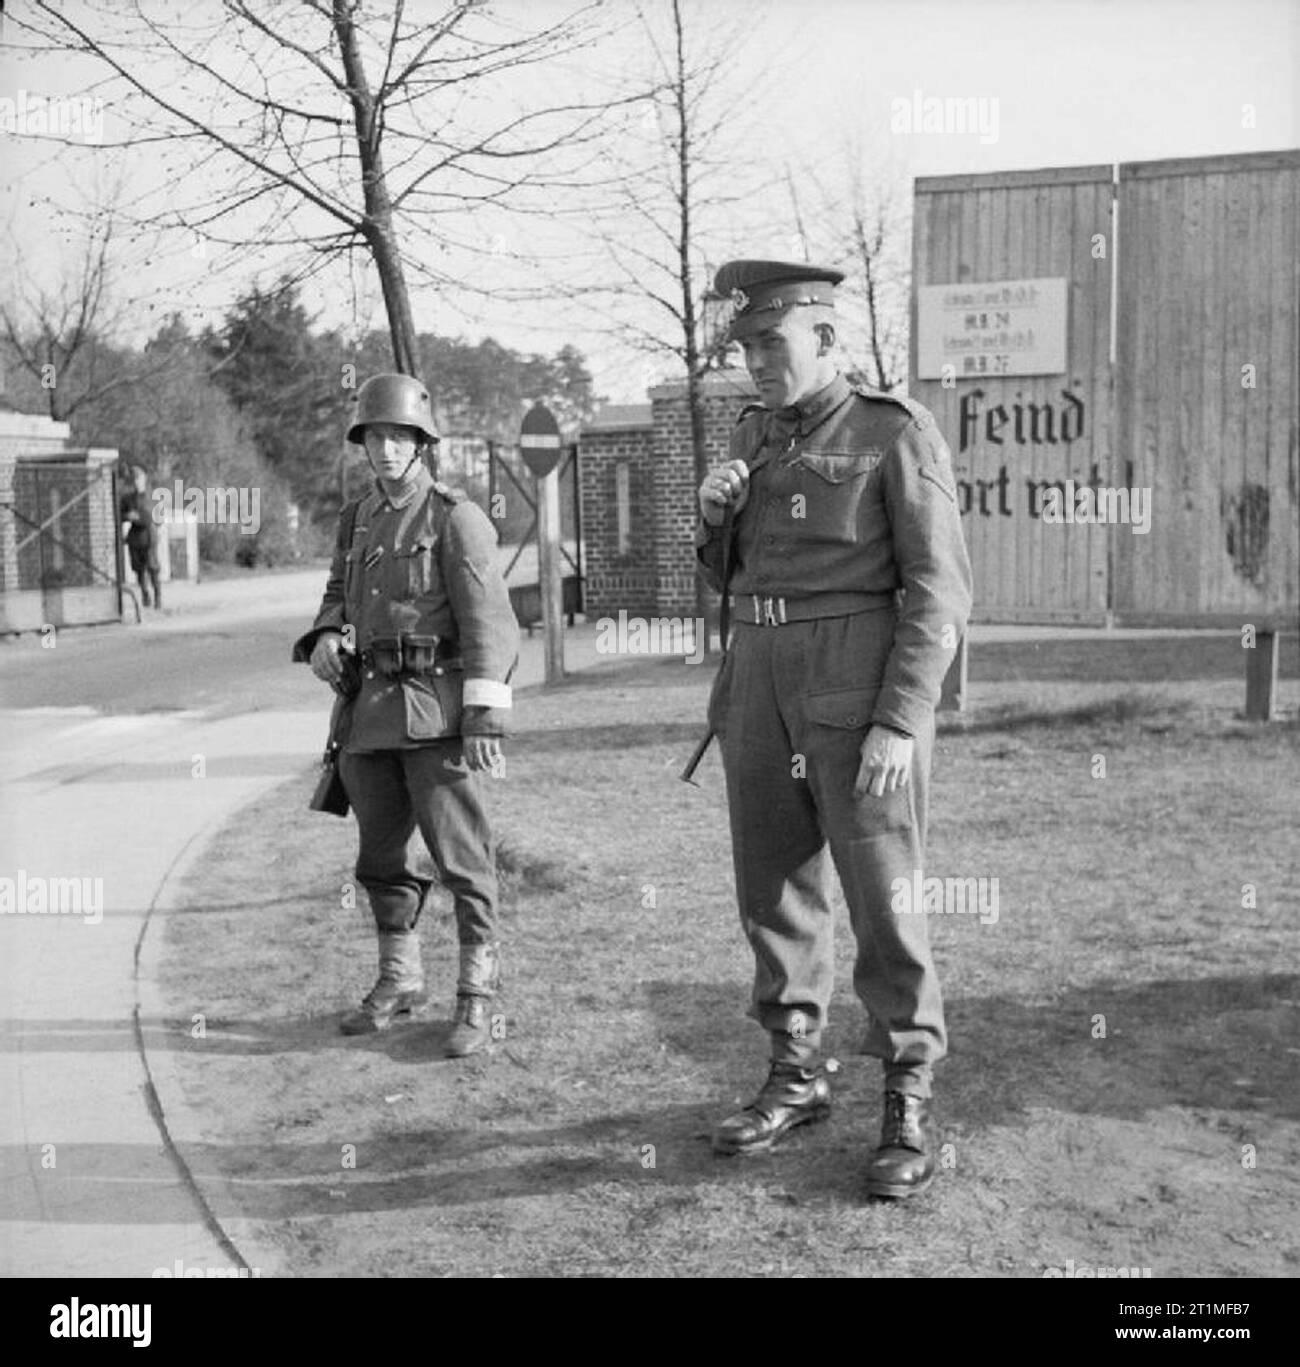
x=704 y=609
x=377 y=227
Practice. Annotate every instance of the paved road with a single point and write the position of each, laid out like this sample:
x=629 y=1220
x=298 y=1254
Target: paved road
x=98 y=739
x=123 y=750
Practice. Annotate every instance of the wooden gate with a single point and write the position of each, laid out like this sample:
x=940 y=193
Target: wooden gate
x=59 y=558
x=1208 y=376
x=513 y=506
x=1178 y=389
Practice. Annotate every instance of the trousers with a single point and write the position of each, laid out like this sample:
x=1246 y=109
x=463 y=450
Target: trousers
x=396 y=792
x=792 y=706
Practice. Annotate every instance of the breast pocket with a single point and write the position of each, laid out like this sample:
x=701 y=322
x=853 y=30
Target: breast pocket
x=417 y=568
x=837 y=467
x=833 y=485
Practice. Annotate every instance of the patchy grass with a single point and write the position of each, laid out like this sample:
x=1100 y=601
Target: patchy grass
x=1119 y=1036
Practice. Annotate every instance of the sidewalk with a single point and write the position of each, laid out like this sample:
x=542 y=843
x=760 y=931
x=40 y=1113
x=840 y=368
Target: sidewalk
x=93 y=1124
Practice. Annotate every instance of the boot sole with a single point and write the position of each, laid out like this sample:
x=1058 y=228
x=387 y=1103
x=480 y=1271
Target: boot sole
x=767 y=1145
x=465 y=1053
x=377 y=1027
x=898 y=1191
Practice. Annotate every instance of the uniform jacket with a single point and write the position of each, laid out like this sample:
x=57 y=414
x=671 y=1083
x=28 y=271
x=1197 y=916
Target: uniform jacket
x=853 y=491
x=424 y=572
x=136 y=508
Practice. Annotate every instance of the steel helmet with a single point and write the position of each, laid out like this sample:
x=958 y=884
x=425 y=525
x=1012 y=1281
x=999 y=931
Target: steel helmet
x=393 y=398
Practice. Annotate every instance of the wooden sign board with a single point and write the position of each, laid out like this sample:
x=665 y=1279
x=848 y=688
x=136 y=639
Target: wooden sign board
x=972 y=330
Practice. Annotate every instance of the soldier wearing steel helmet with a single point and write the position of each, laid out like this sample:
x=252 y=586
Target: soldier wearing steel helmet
x=835 y=529
x=416 y=627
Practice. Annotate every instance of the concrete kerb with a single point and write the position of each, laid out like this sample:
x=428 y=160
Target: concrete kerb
x=245 y=1241
x=180 y=1123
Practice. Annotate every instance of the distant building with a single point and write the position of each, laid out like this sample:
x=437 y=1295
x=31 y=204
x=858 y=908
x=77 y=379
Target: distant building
x=58 y=526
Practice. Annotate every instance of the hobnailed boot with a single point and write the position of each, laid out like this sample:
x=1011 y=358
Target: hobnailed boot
x=792 y=1095
x=480 y=976
x=398 y=990
x=904 y=1162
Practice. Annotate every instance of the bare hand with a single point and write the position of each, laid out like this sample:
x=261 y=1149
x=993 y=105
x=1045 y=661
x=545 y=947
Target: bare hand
x=483 y=752
x=326 y=661
x=727 y=485
x=886 y=762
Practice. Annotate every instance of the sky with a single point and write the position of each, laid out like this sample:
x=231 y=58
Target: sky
x=1055 y=83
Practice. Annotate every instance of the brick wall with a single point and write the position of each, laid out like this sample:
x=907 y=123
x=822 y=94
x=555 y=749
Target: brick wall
x=617 y=581
x=657 y=577
x=676 y=509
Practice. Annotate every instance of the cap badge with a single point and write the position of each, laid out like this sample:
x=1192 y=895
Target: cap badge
x=739 y=300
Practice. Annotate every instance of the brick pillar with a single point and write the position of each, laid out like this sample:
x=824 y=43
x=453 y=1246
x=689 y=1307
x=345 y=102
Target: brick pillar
x=725 y=393
x=618 y=577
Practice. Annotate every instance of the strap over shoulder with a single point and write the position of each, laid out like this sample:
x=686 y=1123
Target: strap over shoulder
x=909 y=406
x=448 y=494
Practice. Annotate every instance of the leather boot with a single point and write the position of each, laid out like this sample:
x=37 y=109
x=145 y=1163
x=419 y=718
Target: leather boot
x=791 y=1096
x=480 y=976
x=904 y=1162
x=398 y=990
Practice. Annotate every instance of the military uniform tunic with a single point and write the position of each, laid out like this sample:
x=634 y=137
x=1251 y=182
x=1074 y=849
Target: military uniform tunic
x=851 y=585
x=418 y=587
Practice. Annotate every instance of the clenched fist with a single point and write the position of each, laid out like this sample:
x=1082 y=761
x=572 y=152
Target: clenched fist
x=728 y=485
x=326 y=658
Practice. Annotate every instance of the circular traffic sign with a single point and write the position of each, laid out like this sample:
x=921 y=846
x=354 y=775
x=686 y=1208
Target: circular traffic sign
x=539 y=440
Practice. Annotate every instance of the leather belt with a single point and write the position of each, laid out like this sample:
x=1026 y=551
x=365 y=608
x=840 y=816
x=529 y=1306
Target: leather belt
x=397 y=663
x=755 y=610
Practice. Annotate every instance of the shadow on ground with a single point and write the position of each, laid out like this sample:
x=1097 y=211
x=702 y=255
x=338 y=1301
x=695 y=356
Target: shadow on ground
x=1164 y=1047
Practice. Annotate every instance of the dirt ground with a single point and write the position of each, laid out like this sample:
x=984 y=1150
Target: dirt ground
x=1123 y=1086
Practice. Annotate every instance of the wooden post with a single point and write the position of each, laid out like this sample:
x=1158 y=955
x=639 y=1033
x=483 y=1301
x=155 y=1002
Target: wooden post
x=548 y=572
x=1261 y=677
x=952 y=697
x=539 y=444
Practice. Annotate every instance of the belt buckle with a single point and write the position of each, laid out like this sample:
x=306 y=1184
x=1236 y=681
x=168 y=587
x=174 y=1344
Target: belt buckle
x=769 y=611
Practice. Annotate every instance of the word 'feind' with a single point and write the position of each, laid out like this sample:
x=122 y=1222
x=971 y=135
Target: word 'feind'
x=1032 y=424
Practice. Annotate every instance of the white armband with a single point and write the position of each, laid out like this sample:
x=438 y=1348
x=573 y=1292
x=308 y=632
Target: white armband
x=486 y=693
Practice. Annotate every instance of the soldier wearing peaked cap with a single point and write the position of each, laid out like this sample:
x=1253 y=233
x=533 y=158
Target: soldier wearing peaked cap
x=834 y=527
x=417 y=631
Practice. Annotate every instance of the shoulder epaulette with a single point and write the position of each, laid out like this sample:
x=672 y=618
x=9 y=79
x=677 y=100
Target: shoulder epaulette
x=448 y=494
x=909 y=406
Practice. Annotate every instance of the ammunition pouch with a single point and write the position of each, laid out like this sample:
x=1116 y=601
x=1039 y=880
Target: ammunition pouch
x=407 y=657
